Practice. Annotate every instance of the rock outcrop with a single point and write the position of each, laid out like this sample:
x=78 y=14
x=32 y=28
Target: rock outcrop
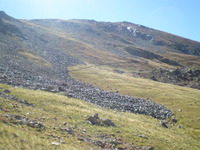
x=181 y=77
x=95 y=120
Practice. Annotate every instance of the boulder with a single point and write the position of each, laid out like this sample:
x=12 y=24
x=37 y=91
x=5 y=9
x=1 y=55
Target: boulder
x=164 y=123
x=6 y=91
x=92 y=120
x=96 y=116
x=107 y=122
x=95 y=120
x=174 y=120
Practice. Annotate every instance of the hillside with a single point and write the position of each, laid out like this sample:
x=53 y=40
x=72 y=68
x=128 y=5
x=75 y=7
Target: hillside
x=49 y=66
x=48 y=46
x=53 y=121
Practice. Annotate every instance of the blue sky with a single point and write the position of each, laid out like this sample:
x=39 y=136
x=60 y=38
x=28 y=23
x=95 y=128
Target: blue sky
x=180 y=17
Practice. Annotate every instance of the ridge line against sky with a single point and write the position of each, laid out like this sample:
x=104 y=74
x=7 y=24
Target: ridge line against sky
x=179 y=17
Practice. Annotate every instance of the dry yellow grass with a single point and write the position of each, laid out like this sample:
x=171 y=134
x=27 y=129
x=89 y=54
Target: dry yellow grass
x=35 y=58
x=190 y=61
x=184 y=101
x=56 y=111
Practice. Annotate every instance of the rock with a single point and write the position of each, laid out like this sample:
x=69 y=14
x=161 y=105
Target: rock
x=115 y=142
x=144 y=148
x=55 y=143
x=179 y=76
x=35 y=124
x=99 y=143
x=147 y=148
x=68 y=130
x=94 y=121
x=69 y=95
x=142 y=136
x=6 y=91
x=61 y=89
x=179 y=126
x=107 y=122
x=118 y=71
x=164 y=123
x=174 y=120
x=153 y=78
x=96 y=116
x=81 y=139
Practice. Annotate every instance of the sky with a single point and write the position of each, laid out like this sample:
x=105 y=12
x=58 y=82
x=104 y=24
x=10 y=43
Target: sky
x=179 y=17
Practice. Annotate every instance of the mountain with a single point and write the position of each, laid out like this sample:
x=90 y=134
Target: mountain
x=97 y=62
x=126 y=46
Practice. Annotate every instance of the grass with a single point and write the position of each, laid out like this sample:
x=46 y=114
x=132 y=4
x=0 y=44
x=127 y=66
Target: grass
x=190 y=61
x=35 y=58
x=184 y=101
x=58 y=112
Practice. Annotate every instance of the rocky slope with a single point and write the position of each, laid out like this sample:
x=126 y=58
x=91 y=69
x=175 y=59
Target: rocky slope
x=73 y=88
x=181 y=77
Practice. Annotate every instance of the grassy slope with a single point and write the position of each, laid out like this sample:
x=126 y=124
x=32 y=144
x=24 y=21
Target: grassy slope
x=184 y=102
x=57 y=112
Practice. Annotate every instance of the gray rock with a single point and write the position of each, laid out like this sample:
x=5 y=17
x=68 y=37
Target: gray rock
x=6 y=91
x=174 y=120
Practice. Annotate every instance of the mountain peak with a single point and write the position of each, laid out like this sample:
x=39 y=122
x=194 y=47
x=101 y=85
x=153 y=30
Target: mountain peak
x=3 y=15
